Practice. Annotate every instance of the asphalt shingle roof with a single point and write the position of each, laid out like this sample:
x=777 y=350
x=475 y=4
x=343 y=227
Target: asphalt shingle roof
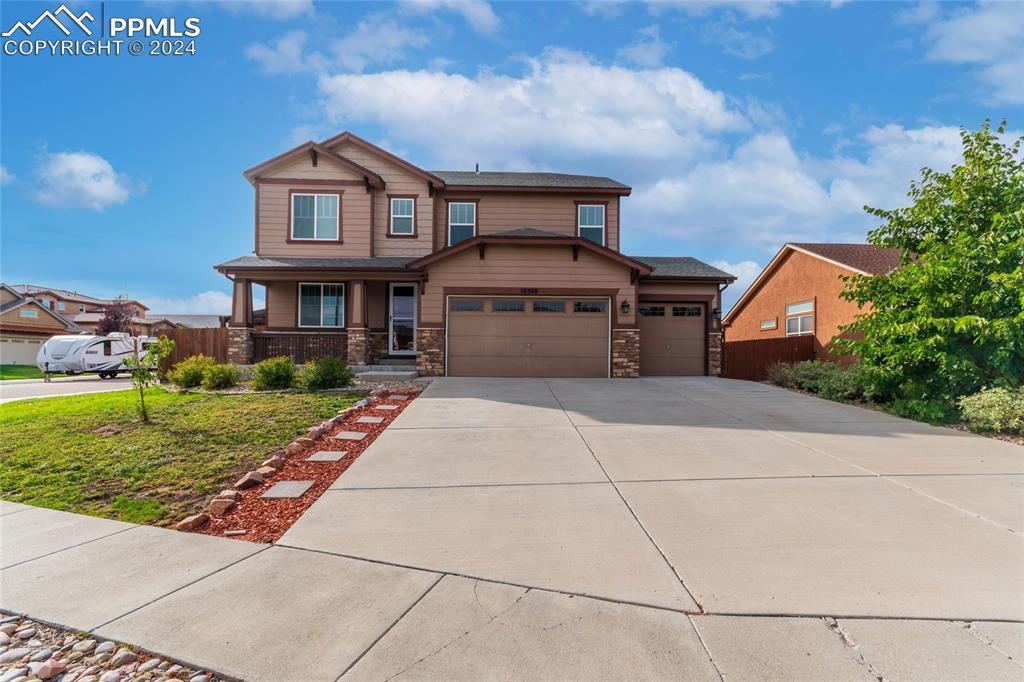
x=282 y=262
x=504 y=179
x=867 y=258
x=682 y=266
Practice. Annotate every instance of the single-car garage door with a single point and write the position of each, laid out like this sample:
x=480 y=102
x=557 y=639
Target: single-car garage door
x=527 y=336
x=672 y=338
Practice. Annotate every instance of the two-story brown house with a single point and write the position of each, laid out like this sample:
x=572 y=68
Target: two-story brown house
x=470 y=273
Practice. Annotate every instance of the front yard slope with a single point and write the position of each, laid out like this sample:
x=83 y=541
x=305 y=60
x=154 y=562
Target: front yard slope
x=90 y=454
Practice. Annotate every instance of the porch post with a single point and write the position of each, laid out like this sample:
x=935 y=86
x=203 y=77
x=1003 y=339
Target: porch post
x=240 y=343
x=357 y=345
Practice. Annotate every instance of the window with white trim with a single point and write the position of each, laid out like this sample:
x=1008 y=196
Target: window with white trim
x=321 y=305
x=402 y=211
x=28 y=312
x=770 y=324
x=591 y=222
x=60 y=305
x=315 y=217
x=461 y=221
x=81 y=307
x=800 y=318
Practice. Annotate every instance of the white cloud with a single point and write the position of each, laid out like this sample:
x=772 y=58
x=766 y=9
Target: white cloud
x=205 y=303
x=479 y=14
x=80 y=180
x=989 y=35
x=765 y=193
x=563 y=105
x=376 y=39
x=6 y=177
x=271 y=9
x=647 y=50
x=753 y=9
x=745 y=272
x=606 y=9
x=736 y=41
x=286 y=56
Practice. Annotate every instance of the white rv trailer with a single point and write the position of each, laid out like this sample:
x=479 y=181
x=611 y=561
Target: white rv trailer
x=103 y=355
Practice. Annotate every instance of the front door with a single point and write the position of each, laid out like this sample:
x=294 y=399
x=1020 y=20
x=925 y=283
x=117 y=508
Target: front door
x=402 y=319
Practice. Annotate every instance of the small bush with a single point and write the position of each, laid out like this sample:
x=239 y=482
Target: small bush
x=189 y=372
x=931 y=411
x=324 y=373
x=830 y=380
x=221 y=376
x=274 y=374
x=995 y=409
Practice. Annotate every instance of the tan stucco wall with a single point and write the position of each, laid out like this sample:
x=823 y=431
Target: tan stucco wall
x=799 y=277
x=518 y=267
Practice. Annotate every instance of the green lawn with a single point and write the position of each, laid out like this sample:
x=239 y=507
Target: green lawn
x=21 y=372
x=90 y=453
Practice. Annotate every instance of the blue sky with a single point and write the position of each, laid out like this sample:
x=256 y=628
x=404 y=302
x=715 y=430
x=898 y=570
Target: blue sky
x=740 y=126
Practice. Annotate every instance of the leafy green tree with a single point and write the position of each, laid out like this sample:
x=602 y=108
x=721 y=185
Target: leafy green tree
x=143 y=367
x=950 y=321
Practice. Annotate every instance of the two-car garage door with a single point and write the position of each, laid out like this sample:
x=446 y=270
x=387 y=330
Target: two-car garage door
x=526 y=336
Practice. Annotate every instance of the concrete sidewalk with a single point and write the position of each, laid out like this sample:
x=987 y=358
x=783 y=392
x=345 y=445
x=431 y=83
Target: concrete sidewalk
x=720 y=530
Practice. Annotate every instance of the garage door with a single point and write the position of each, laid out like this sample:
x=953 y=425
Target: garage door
x=672 y=339
x=527 y=337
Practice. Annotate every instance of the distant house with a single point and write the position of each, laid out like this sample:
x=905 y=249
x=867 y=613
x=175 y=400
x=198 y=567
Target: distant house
x=25 y=323
x=193 y=321
x=798 y=293
x=70 y=303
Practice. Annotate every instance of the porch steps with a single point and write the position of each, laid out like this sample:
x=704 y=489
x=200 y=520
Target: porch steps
x=389 y=367
x=391 y=375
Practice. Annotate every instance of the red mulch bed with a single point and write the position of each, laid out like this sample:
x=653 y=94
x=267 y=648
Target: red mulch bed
x=267 y=520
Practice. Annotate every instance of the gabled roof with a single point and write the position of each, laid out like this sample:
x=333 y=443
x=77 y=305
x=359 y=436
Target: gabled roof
x=14 y=305
x=865 y=259
x=369 y=176
x=683 y=267
x=550 y=181
x=506 y=239
x=377 y=151
x=36 y=290
x=861 y=259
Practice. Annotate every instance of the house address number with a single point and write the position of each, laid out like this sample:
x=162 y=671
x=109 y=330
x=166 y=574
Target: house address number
x=528 y=291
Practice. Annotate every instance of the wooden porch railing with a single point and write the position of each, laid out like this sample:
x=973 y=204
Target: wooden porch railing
x=301 y=347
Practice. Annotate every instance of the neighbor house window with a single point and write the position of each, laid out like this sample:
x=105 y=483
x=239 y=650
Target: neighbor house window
x=770 y=324
x=81 y=307
x=588 y=307
x=507 y=306
x=321 y=305
x=461 y=222
x=549 y=306
x=591 y=222
x=800 y=318
x=652 y=311
x=402 y=210
x=315 y=216
x=60 y=305
x=686 y=311
x=28 y=312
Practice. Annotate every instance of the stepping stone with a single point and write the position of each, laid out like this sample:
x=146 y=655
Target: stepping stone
x=287 y=489
x=386 y=407
x=350 y=435
x=326 y=456
x=369 y=420
x=398 y=397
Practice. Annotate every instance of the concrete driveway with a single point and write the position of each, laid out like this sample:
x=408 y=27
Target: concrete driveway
x=585 y=529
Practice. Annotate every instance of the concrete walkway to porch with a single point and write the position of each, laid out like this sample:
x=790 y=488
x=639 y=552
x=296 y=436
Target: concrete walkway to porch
x=584 y=529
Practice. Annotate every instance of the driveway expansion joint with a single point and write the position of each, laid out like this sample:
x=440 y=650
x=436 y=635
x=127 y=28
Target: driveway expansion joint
x=64 y=549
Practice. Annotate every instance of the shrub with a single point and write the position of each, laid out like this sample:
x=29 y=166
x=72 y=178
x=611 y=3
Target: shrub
x=274 y=374
x=923 y=410
x=995 y=409
x=189 y=372
x=830 y=380
x=324 y=373
x=220 y=376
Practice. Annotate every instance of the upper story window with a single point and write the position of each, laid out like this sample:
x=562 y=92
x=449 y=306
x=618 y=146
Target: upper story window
x=81 y=307
x=461 y=222
x=800 y=318
x=321 y=305
x=590 y=218
x=402 y=211
x=315 y=216
x=28 y=312
x=60 y=305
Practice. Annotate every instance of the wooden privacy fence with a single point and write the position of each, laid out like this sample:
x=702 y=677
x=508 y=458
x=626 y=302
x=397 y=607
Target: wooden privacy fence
x=301 y=347
x=751 y=359
x=211 y=342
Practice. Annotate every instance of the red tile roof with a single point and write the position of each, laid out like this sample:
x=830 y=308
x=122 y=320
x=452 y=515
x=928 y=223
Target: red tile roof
x=867 y=258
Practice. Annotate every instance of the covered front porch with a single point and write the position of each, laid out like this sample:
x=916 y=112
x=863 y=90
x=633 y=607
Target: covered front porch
x=367 y=317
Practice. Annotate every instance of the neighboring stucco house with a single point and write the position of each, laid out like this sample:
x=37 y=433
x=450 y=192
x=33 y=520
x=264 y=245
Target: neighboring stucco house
x=798 y=293
x=25 y=323
x=466 y=273
x=70 y=303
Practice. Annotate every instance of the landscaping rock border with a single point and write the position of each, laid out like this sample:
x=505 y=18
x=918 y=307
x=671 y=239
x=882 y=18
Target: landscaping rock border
x=30 y=650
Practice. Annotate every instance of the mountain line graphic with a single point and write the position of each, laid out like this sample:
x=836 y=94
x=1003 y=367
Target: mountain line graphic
x=52 y=16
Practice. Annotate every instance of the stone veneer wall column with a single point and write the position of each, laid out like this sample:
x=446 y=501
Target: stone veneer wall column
x=714 y=354
x=625 y=353
x=430 y=352
x=376 y=346
x=356 y=347
x=240 y=345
